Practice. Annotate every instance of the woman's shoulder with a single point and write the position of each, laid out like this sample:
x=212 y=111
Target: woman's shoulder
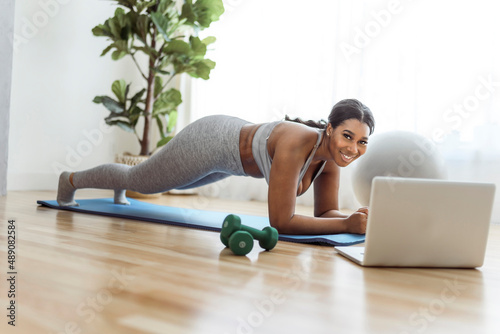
x=293 y=137
x=297 y=133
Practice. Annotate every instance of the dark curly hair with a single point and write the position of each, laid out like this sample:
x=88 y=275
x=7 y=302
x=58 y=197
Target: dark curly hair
x=342 y=111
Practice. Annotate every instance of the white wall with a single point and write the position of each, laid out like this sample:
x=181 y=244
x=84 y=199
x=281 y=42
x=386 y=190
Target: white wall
x=57 y=71
x=6 y=33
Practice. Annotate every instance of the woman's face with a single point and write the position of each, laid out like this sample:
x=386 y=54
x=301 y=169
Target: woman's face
x=348 y=141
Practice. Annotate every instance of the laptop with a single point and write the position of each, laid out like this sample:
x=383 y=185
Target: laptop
x=425 y=223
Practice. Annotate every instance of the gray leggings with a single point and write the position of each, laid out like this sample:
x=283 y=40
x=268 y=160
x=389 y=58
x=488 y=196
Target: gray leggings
x=205 y=151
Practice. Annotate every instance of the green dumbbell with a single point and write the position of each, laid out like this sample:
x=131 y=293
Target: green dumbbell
x=224 y=240
x=241 y=242
x=268 y=237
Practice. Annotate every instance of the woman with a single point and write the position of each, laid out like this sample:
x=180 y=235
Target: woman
x=290 y=155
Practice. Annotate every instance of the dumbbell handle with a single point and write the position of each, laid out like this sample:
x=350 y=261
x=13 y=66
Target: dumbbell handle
x=256 y=234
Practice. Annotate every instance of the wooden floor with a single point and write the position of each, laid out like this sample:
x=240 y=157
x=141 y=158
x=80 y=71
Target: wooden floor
x=80 y=273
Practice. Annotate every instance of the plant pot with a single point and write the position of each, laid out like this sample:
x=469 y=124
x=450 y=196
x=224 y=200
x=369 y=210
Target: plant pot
x=132 y=160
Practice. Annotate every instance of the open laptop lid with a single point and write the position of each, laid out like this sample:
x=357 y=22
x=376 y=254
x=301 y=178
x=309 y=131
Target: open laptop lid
x=427 y=223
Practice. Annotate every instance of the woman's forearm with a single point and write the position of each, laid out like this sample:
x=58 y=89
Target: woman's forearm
x=299 y=224
x=334 y=214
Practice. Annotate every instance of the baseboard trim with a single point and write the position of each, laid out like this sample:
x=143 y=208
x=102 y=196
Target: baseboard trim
x=32 y=181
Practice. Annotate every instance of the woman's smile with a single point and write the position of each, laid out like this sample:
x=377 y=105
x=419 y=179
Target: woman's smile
x=346 y=157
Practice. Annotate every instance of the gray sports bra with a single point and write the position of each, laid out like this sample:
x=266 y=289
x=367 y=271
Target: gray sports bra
x=264 y=161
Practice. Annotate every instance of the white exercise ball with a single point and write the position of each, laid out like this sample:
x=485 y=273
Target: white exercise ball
x=396 y=154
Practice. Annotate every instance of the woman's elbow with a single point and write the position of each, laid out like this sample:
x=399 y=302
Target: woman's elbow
x=282 y=225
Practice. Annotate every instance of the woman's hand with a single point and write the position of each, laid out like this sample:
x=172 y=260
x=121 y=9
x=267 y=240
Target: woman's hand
x=356 y=223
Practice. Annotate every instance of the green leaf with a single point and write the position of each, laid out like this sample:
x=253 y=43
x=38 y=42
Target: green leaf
x=143 y=5
x=152 y=53
x=110 y=104
x=126 y=95
x=120 y=52
x=121 y=17
x=164 y=141
x=134 y=111
x=164 y=5
x=177 y=46
x=137 y=97
x=158 y=86
x=119 y=26
x=127 y=3
x=175 y=26
x=117 y=55
x=199 y=48
x=119 y=87
x=161 y=23
x=142 y=27
x=209 y=63
x=122 y=45
x=122 y=124
x=114 y=27
x=167 y=102
x=131 y=19
x=101 y=30
x=202 y=69
x=209 y=40
x=188 y=12
x=125 y=33
x=172 y=95
x=160 y=126
x=135 y=114
x=160 y=71
x=98 y=99
x=106 y=50
x=172 y=121
x=208 y=11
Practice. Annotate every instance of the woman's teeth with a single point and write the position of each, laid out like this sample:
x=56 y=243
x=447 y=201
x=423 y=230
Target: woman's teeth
x=346 y=158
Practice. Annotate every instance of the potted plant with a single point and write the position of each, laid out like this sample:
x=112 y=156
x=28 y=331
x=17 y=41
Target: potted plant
x=165 y=32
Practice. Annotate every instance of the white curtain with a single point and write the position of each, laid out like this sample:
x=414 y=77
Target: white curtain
x=431 y=67
x=6 y=50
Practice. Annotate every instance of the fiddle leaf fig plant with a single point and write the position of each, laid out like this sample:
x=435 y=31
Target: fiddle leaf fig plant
x=167 y=34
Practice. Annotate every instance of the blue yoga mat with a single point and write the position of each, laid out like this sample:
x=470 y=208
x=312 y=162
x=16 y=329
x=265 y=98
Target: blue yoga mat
x=201 y=219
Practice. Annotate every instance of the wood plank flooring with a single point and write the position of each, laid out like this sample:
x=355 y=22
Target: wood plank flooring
x=79 y=273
